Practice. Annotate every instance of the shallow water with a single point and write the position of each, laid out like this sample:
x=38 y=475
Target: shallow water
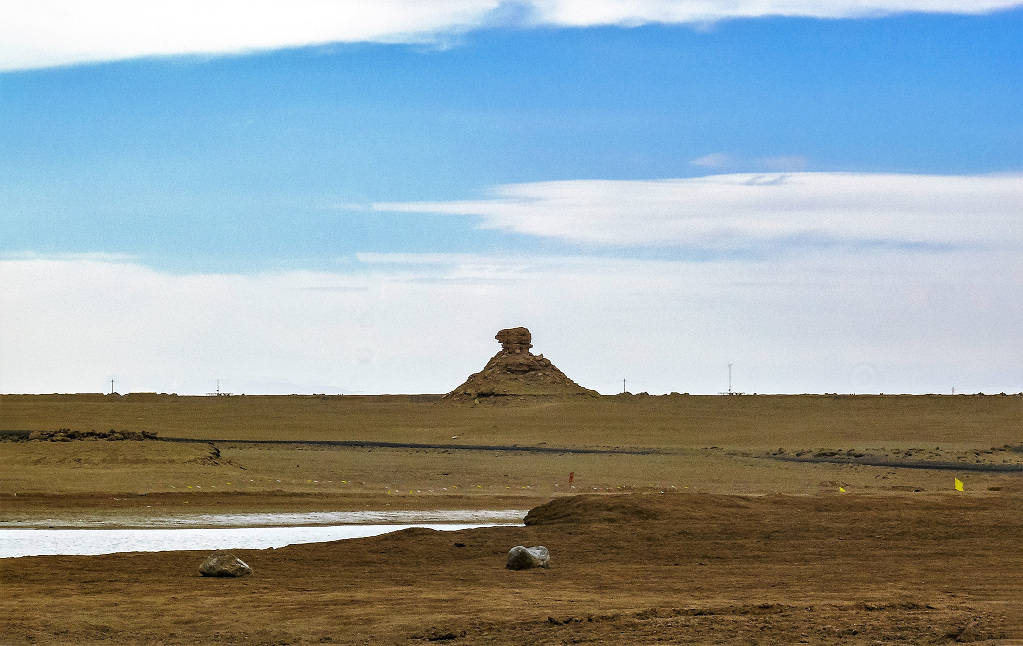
x=280 y=519
x=37 y=542
x=87 y=536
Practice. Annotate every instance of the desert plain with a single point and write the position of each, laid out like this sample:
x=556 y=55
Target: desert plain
x=733 y=519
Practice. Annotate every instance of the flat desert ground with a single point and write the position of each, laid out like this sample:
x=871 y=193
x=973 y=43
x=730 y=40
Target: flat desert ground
x=820 y=519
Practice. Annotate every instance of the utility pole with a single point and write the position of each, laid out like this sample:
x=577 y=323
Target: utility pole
x=111 y=386
x=623 y=386
x=729 y=379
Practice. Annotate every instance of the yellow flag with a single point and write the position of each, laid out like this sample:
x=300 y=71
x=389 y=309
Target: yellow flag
x=959 y=484
x=842 y=489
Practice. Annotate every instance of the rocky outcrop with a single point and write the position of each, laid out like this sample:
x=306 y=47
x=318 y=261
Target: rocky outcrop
x=515 y=340
x=67 y=435
x=524 y=558
x=517 y=371
x=224 y=564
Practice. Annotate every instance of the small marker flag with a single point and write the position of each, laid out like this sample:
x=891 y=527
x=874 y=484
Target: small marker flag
x=959 y=484
x=842 y=489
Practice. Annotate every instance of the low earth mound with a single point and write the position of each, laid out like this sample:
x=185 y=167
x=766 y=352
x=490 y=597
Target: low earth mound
x=515 y=371
x=596 y=509
x=587 y=509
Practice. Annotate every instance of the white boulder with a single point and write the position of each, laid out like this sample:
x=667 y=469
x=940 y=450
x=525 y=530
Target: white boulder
x=224 y=564
x=524 y=558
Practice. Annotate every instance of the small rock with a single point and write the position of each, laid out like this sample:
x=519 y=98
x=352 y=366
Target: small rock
x=35 y=435
x=970 y=633
x=524 y=558
x=440 y=637
x=224 y=564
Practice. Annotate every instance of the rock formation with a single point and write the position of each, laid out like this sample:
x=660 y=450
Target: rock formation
x=517 y=371
x=515 y=340
x=224 y=564
x=524 y=558
x=67 y=435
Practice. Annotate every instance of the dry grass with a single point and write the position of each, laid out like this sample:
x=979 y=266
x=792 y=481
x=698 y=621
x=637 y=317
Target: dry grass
x=708 y=441
x=764 y=421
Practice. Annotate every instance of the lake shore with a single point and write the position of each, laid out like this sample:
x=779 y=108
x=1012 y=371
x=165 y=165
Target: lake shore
x=686 y=568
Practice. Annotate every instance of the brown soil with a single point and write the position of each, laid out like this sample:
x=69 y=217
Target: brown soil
x=639 y=569
x=758 y=550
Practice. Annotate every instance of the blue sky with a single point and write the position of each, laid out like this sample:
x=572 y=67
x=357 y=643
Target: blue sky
x=625 y=180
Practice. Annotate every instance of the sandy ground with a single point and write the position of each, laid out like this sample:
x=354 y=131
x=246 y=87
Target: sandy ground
x=742 y=548
x=637 y=569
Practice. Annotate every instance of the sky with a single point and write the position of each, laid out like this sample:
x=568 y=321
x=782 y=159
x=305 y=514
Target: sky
x=353 y=197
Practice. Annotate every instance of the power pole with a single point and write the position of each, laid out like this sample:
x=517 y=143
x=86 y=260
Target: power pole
x=729 y=379
x=623 y=386
x=111 y=386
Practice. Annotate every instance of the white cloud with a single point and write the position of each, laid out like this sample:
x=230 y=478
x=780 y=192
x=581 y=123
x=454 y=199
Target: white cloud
x=743 y=210
x=44 y=33
x=815 y=322
x=633 y=12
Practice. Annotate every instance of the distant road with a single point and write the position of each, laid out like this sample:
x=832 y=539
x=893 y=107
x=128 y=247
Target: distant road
x=867 y=460
x=395 y=445
x=418 y=445
x=905 y=464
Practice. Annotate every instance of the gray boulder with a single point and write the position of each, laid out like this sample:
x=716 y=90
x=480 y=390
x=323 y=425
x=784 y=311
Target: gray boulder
x=224 y=564
x=524 y=558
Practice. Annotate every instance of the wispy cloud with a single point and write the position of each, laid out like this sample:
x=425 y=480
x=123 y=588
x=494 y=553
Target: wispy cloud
x=44 y=33
x=724 y=161
x=714 y=160
x=789 y=163
x=95 y=256
x=742 y=210
x=618 y=12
